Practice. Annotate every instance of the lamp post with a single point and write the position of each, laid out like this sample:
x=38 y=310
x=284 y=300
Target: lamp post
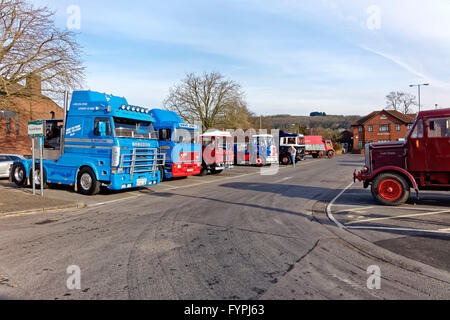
x=418 y=88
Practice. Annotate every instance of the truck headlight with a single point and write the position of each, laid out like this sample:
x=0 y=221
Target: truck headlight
x=115 y=159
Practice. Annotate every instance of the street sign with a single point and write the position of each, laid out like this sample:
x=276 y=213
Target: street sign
x=36 y=129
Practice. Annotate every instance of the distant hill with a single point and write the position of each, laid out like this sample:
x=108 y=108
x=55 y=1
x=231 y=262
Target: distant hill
x=286 y=122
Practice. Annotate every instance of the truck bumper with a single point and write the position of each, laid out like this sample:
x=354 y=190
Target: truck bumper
x=186 y=169
x=123 y=181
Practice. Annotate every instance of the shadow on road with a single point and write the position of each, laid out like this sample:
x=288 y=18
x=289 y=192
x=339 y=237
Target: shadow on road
x=286 y=190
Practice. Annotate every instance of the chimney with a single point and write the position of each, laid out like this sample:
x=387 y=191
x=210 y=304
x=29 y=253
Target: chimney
x=34 y=84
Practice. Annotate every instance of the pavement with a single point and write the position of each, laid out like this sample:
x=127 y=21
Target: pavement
x=16 y=201
x=244 y=234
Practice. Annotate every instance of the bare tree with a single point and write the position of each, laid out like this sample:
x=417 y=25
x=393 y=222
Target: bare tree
x=401 y=101
x=408 y=101
x=393 y=100
x=32 y=46
x=207 y=98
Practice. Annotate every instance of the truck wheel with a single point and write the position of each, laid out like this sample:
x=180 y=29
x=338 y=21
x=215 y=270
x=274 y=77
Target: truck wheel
x=18 y=174
x=214 y=171
x=161 y=174
x=330 y=154
x=87 y=182
x=203 y=170
x=259 y=161
x=285 y=160
x=37 y=177
x=390 y=189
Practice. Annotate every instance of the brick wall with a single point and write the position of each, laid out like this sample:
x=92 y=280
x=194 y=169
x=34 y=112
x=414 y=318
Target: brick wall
x=377 y=135
x=27 y=110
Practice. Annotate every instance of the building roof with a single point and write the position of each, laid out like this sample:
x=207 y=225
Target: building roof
x=406 y=118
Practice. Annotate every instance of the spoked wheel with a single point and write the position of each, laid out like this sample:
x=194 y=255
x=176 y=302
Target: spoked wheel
x=259 y=161
x=390 y=189
x=285 y=160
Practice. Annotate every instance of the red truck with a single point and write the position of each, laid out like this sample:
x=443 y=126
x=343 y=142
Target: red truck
x=421 y=162
x=317 y=146
x=217 y=150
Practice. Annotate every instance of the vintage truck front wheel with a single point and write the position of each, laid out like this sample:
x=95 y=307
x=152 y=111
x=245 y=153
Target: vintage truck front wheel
x=390 y=189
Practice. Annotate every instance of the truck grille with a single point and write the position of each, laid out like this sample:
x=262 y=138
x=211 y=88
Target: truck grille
x=142 y=160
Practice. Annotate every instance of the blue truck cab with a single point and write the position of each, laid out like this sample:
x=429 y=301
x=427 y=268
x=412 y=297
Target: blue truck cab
x=180 y=142
x=102 y=142
x=260 y=150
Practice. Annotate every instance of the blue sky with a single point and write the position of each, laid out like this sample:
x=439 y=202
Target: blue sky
x=340 y=57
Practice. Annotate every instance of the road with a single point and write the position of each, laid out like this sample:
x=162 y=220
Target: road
x=242 y=235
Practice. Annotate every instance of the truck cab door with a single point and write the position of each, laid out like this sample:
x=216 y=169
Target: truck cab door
x=438 y=144
x=417 y=159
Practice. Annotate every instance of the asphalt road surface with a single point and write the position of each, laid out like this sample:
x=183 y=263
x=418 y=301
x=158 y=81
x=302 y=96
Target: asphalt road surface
x=240 y=236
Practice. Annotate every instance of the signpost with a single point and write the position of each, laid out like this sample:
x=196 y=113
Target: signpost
x=37 y=129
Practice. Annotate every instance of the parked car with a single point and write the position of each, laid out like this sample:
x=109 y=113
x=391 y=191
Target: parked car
x=6 y=162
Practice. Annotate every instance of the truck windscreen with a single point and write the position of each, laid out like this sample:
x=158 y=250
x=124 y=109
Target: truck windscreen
x=263 y=140
x=186 y=136
x=129 y=128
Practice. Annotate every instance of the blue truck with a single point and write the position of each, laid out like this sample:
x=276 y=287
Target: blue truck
x=101 y=142
x=260 y=150
x=180 y=142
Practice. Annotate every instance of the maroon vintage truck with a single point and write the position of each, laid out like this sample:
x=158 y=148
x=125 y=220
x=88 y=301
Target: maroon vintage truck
x=421 y=162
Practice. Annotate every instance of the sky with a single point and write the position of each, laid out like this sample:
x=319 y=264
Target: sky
x=290 y=56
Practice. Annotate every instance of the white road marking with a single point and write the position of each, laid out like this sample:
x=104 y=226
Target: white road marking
x=356 y=210
x=112 y=201
x=278 y=221
x=383 y=207
x=284 y=179
x=399 y=217
x=340 y=225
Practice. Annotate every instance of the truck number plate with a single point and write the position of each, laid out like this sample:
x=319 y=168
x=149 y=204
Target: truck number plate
x=141 y=182
x=190 y=170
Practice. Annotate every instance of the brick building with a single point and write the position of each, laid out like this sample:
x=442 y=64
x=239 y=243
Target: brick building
x=15 y=113
x=380 y=126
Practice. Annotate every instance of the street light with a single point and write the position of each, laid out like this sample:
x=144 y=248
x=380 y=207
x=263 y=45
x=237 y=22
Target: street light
x=418 y=88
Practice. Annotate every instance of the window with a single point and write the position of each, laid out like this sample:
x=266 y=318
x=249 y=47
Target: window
x=164 y=134
x=397 y=127
x=360 y=129
x=370 y=128
x=8 y=126
x=102 y=127
x=418 y=130
x=409 y=126
x=384 y=140
x=17 y=129
x=360 y=144
x=291 y=141
x=129 y=128
x=186 y=135
x=439 y=128
x=4 y=158
x=384 y=128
